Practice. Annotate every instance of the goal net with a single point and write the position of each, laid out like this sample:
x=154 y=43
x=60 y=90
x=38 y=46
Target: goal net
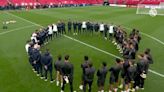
x=151 y=10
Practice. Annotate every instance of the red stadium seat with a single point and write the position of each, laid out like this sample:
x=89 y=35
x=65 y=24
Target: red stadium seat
x=34 y=2
x=3 y=2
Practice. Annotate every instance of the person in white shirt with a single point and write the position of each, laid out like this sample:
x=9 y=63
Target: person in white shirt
x=111 y=27
x=27 y=46
x=84 y=26
x=101 y=28
x=33 y=38
x=55 y=30
x=50 y=32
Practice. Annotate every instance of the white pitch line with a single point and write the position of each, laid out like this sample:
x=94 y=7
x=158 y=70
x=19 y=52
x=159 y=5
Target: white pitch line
x=23 y=19
x=159 y=41
x=2 y=33
x=152 y=71
x=92 y=47
x=106 y=52
x=156 y=39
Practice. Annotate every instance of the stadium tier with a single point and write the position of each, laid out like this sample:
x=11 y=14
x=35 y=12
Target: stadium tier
x=3 y=2
x=28 y=2
x=35 y=2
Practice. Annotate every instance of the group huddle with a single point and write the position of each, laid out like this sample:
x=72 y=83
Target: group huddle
x=126 y=75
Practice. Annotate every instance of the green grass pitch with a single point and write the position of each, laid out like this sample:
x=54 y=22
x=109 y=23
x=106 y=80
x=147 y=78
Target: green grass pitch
x=16 y=74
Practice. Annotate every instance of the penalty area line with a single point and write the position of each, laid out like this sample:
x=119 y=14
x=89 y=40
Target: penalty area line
x=152 y=71
x=155 y=39
x=16 y=29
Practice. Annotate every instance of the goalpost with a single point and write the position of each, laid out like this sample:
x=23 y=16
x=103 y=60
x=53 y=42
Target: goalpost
x=152 y=10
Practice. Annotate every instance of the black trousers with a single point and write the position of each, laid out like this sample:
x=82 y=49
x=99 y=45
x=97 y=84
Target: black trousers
x=49 y=69
x=63 y=31
x=139 y=81
x=75 y=30
x=89 y=83
x=39 y=68
x=105 y=34
x=79 y=31
x=70 y=83
x=55 y=34
x=31 y=61
x=102 y=33
x=4 y=27
x=110 y=36
x=69 y=30
x=50 y=36
x=59 y=32
x=84 y=30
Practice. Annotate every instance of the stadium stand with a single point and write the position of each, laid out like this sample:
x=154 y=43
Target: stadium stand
x=3 y=2
x=51 y=2
x=135 y=2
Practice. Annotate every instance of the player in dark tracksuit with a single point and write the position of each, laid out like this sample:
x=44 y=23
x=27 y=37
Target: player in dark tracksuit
x=57 y=66
x=88 y=24
x=41 y=38
x=46 y=32
x=63 y=28
x=124 y=68
x=141 y=69
x=101 y=74
x=79 y=27
x=129 y=76
x=132 y=52
x=46 y=61
x=106 y=31
x=69 y=26
x=114 y=75
x=149 y=58
x=84 y=65
x=96 y=27
x=67 y=73
x=88 y=77
x=91 y=28
x=30 y=51
x=75 y=27
x=126 y=51
x=59 y=27
x=37 y=61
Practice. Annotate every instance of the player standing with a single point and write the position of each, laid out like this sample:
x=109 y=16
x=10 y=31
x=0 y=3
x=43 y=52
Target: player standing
x=101 y=74
x=114 y=76
x=88 y=77
x=84 y=65
x=46 y=61
x=58 y=65
x=67 y=73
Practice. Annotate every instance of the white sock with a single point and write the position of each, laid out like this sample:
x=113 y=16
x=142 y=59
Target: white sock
x=102 y=90
x=81 y=87
x=57 y=83
x=61 y=84
x=115 y=89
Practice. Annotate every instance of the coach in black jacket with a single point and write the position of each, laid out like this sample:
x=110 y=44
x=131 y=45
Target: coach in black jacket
x=101 y=74
x=88 y=77
x=67 y=73
x=46 y=60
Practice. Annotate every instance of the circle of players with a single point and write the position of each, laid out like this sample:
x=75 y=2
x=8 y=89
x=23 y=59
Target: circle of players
x=127 y=74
